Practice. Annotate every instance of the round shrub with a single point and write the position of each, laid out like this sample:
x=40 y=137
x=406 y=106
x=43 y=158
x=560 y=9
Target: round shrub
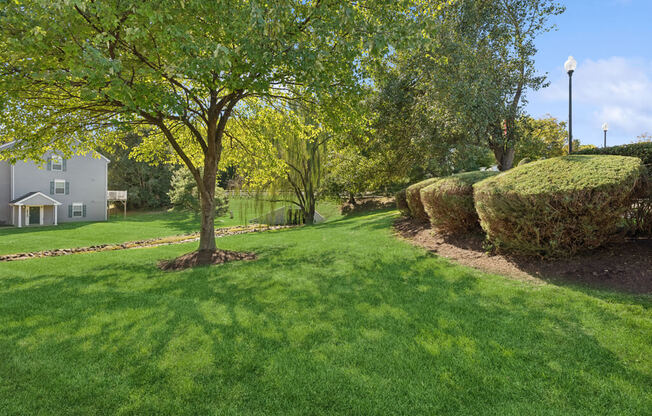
x=524 y=161
x=639 y=218
x=449 y=201
x=558 y=206
x=401 y=203
x=413 y=196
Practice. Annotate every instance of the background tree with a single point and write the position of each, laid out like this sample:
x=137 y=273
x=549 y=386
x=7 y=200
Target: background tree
x=185 y=196
x=282 y=152
x=347 y=173
x=480 y=65
x=643 y=138
x=74 y=72
x=541 y=138
x=147 y=184
x=414 y=135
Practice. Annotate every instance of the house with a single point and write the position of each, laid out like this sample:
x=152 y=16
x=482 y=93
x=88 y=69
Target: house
x=53 y=191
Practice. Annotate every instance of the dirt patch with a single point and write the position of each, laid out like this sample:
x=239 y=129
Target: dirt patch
x=626 y=266
x=198 y=258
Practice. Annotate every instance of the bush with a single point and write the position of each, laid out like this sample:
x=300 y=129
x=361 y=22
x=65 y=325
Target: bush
x=367 y=204
x=524 y=161
x=184 y=195
x=401 y=203
x=558 y=206
x=639 y=217
x=449 y=201
x=413 y=196
x=642 y=151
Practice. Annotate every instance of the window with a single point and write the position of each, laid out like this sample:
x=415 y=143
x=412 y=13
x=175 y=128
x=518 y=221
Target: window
x=59 y=186
x=77 y=209
x=57 y=162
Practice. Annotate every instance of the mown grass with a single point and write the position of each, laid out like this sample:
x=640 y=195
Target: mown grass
x=339 y=318
x=139 y=226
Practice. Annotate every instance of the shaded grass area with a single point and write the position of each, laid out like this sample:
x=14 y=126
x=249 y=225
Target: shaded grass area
x=338 y=318
x=140 y=226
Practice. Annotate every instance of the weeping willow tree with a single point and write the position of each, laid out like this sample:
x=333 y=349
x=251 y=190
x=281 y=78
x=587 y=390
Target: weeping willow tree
x=302 y=151
x=281 y=153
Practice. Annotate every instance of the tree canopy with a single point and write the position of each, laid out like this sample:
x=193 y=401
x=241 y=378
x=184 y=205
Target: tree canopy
x=80 y=71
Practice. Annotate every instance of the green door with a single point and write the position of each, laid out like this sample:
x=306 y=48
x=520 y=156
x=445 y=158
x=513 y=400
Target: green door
x=34 y=215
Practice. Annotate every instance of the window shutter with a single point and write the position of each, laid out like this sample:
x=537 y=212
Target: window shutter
x=51 y=187
x=67 y=187
x=69 y=211
x=63 y=163
x=49 y=163
x=84 y=210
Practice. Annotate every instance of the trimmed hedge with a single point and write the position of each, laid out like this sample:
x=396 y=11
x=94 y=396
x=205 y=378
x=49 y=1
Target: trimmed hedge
x=524 y=161
x=401 y=203
x=642 y=151
x=413 y=196
x=639 y=217
x=559 y=206
x=449 y=202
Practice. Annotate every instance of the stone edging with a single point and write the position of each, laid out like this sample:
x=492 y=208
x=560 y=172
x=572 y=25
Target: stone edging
x=152 y=242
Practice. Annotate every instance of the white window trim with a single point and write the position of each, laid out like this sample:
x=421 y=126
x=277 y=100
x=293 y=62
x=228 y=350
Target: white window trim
x=57 y=181
x=79 y=205
x=59 y=163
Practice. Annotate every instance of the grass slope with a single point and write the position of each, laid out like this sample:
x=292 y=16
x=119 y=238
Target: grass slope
x=339 y=318
x=136 y=227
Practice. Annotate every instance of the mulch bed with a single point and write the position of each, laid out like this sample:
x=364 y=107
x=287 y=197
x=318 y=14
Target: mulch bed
x=196 y=258
x=626 y=266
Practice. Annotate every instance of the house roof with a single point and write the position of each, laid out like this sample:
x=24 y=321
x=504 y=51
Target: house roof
x=30 y=195
x=12 y=144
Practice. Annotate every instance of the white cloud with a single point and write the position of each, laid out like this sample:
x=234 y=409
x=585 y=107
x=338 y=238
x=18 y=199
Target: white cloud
x=617 y=90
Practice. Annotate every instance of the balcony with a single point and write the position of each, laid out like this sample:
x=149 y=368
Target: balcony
x=116 y=195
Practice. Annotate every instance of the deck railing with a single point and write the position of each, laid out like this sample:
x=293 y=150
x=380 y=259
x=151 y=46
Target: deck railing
x=116 y=195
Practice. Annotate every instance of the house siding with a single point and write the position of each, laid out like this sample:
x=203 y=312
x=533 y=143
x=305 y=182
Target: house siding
x=5 y=193
x=86 y=176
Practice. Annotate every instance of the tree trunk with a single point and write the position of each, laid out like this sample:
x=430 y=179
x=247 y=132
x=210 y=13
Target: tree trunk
x=352 y=199
x=504 y=157
x=207 y=244
x=309 y=211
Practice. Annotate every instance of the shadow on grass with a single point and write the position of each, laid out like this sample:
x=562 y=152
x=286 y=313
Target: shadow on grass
x=325 y=330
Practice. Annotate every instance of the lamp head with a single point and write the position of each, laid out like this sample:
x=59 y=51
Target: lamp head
x=605 y=127
x=570 y=65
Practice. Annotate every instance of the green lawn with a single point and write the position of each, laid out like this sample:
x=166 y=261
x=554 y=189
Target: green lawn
x=134 y=227
x=339 y=318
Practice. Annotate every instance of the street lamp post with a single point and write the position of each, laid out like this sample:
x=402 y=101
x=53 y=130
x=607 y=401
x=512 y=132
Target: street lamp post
x=605 y=127
x=570 y=66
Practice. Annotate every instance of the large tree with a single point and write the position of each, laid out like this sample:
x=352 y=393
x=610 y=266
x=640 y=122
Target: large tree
x=75 y=72
x=467 y=84
x=484 y=65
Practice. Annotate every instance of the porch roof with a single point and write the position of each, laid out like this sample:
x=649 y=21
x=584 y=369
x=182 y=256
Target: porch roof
x=34 y=198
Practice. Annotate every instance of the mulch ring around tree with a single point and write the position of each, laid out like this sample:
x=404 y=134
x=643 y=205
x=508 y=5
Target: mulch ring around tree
x=625 y=266
x=197 y=258
x=154 y=242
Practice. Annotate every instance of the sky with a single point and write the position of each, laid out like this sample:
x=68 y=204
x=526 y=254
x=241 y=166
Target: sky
x=612 y=43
